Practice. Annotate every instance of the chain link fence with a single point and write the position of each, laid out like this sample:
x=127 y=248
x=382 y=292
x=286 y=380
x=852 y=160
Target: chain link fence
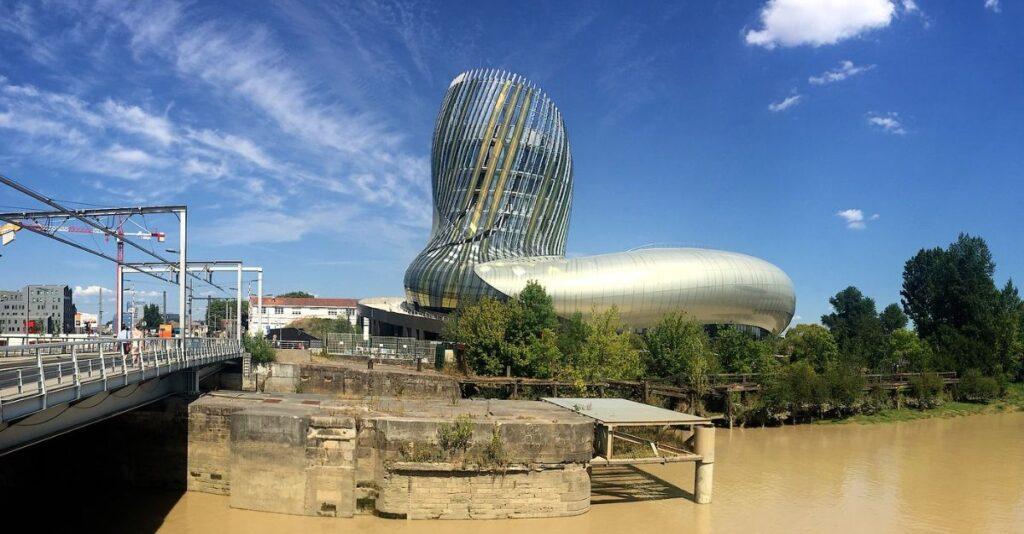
x=381 y=347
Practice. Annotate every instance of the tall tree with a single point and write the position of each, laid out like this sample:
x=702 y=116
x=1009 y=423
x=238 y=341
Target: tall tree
x=674 y=345
x=954 y=302
x=609 y=352
x=893 y=319
x=151 y=317
x=739 y=352
x=813 y=344
x=855 y=325
x=480 y=328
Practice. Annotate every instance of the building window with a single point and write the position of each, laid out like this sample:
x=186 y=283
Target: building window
x=279 y=311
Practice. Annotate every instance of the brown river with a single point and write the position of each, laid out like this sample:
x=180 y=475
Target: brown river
x=963 y=474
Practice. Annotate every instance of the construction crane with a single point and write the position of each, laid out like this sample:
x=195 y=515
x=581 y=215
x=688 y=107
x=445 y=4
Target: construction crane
x=12 y=228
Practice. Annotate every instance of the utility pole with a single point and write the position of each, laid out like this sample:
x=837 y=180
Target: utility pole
x=99 y=316
x=163 y=311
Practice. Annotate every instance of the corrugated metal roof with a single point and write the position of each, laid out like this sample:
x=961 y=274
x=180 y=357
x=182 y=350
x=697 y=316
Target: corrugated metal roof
x=622 y=411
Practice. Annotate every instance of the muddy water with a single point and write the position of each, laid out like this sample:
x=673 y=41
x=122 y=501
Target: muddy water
x=948 y=475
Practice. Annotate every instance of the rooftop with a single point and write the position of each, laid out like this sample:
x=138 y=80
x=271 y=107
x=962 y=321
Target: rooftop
x=307 y=302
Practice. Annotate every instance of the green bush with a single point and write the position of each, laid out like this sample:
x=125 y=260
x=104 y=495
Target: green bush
x=976 y=387
x=259 y=348
x=845 y=386
x=927 y=389
x=494 y=453
x=456 y=437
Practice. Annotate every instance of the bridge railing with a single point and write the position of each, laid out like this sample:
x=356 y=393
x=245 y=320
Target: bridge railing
x=35 y=369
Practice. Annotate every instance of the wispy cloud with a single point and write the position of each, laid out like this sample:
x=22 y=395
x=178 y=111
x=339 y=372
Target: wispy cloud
x=845 y=70
x=993 y=6
x=889 y=122
x=302 y=150
x=854 y=218
x=818 y=22
x=784 y=104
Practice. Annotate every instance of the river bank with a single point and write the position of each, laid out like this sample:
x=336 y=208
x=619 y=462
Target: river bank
x=1012 y=402
x=902 y=477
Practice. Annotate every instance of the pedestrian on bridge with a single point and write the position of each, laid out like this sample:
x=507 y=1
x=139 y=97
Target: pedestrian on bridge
x=122 y=339
x=136 y=344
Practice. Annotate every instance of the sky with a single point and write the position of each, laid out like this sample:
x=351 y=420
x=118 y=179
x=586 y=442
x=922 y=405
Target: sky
x=833 y=138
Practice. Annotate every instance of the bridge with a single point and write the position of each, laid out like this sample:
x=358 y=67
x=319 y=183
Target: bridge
x=52 y=388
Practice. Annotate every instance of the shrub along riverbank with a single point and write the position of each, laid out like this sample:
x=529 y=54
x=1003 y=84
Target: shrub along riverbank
x=962 y=321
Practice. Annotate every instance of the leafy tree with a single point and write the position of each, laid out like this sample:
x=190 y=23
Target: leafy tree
x=673 y=344
x=609 y=351
x=893 y=319
x=905 y=352
x=811 y=343
x=540 y=357
x=218 y=309
x=534 y=313
x=855 y=325
x=259 y=348
x=953 y=300
x=572 y=335
x=296 y=295
x=739 y=352
x=151 y=316
x=480 y=328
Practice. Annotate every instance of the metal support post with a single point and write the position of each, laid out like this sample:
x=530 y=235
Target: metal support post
x=238 y=304
x=259 y=300
x=183 y=318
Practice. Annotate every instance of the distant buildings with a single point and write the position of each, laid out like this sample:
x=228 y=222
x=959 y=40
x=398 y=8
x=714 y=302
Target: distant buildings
x=37 y=309
x=85 y=322
x=278 y=312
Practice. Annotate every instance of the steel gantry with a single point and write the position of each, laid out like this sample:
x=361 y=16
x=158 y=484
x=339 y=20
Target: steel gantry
x=46 y=223
x=209 y=267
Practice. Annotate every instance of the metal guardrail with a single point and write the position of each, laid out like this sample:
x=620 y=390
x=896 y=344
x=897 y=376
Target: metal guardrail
x=381 y=347
x=39 y=370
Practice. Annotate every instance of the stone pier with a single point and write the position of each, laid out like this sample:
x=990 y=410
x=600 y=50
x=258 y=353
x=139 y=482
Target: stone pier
x=316 y=455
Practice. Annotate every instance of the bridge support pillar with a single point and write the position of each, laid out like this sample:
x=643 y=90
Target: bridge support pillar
x=704 y=445
x=191 y=379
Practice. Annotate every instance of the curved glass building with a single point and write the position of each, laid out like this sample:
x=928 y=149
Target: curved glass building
x=502 y=181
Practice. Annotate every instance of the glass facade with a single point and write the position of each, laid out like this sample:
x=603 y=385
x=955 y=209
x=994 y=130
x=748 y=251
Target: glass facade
x=502 y=185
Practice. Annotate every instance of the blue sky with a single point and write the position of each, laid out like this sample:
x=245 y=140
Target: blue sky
x=833 y=138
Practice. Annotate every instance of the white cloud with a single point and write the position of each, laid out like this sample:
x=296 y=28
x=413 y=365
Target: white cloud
x=237 y=145
x=845 y=70
x=910 y=6
x=818 y=22
x=784 y=104
x=92 y=291
x=855 y=219
x=993 y=5
x=274 y=226
x=889 y=122
x=132 y=156
x=133 y=119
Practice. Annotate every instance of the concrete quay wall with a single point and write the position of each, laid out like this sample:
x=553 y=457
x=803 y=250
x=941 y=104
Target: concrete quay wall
x=353 y=380
x=313 y=455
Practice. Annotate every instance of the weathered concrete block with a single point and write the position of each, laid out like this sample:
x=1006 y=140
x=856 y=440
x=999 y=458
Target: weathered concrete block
x=268 y=462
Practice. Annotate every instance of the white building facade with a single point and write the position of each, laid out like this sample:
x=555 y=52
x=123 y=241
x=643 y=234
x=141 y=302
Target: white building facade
x=278 y=312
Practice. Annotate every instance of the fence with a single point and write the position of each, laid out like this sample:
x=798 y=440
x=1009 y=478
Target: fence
x=380 y=347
